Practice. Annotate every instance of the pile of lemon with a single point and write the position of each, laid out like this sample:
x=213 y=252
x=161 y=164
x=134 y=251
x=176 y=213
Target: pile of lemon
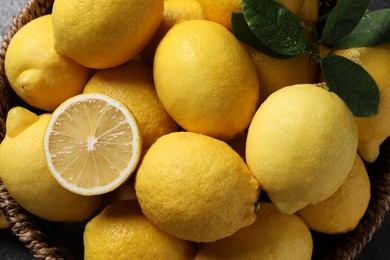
x=151 y=121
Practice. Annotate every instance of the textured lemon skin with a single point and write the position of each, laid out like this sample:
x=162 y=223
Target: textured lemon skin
x=132 y=84
x=274 y=235
x=205 y=79
x=375 y=129
x=196 y=187
x=36 y=72
x=25 y=174
x=220 y=11
x=308 y=14
x=103 y=34
x=342 y=211
x=301 y=145
x=121 y=231
x=175 y=12
x=298 y=69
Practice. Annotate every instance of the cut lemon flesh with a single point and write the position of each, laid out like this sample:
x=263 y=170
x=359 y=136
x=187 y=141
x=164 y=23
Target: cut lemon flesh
x=92 y=144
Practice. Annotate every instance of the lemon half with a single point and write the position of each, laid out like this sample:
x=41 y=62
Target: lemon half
x=92 y=144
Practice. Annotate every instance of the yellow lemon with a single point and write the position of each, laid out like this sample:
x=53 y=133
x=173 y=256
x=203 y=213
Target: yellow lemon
x=121 y=231
x=375 y=129
x=103 y=34
x=275 y=73
x=301 y=145
x=220 y=11
x=274 y=235
x=342 y=211
x=26 y=176
x=124 y=192
x=92 y=144
x=36 y=72
x=205 y=79
x=196 y=187
x=132 y=84
x=175 y=11
x=294 y=6
x=308 y=14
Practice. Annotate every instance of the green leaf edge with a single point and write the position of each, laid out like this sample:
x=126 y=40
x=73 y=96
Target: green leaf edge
x=300 y=42
x=362 y=37
x=369 y=108
x=331 y=32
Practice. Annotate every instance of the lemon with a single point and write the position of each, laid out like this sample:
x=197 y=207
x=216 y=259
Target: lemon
x=342 y=211
x=175 y=11
x=308 y=14
x=294 y=6
x=103 y=34
x=220 y=11
x=26 y=176
x=301 y=145
x=121 y=231
x=132 y=84
x=375 y=129
x=196 y=187
x=92 y=144
x=205 y=79
x=274 y=235
x=36 y=72
x=298 y=69
x=125 y=191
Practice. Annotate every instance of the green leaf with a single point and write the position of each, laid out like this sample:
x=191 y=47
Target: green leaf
x=275 y=26
x=343 y=19
x=351 y=83
x=373 y=29
x=243 y=33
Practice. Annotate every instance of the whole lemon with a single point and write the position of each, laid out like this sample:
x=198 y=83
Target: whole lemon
x=124 y=192
x=274 y=235
x=196 y=187
x=103 y=34
x=375 y=129
x=121 y=231
x=301 y=145
x=132 y=84
x=175 y=11
x=298 y=69
x=36 y=72
x=220 y=11
x=27 y=177
x=205 y=79
x=342 y=211
x=308 y=14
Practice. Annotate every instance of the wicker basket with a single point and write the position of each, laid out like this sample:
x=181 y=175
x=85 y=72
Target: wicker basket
x=48 y=240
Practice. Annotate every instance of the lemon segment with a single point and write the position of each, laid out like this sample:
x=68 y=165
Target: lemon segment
x=92 y=144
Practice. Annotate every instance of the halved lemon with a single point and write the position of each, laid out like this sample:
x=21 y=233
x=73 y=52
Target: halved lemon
x=92 y=144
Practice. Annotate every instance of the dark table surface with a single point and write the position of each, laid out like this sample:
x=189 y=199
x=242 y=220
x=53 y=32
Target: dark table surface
x=11 y=249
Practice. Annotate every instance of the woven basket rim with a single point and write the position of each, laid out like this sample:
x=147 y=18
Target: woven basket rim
x=25 y=227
